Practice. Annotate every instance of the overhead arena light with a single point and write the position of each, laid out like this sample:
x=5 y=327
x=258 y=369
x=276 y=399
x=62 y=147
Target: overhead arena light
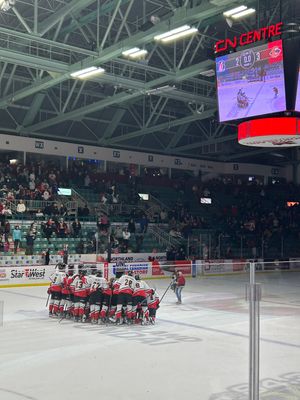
x=87 y=72
x=6 y=5
x=209 y=72
x=235 y=10
x=177 y=33
x=135 y=52
x=161 y=89
x=243 y=13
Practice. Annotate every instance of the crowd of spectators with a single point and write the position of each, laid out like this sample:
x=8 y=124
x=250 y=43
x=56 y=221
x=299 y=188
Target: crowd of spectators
x=239 y=208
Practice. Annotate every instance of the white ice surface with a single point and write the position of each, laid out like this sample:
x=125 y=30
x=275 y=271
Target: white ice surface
x=198 y=350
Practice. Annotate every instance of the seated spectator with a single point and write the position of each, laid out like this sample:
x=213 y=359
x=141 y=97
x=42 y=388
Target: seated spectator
x=21 y=208
x=80 y=247
x=103 y=223
x=118 y=233
x=175 y=233
x=46 y=195
x=115 y=198
x=163 y=216
x=6 y=210
x=39 y=214
x=76 y=227
x=62 y=210
x=85 y=211
x=103 y=199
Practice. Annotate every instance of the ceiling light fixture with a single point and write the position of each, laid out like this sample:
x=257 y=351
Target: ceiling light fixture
x=6 y=5
x=135 y=52
x=235 y=10
x=209 y=72
x=176 y=33
x=243 y=13
x=87 y=72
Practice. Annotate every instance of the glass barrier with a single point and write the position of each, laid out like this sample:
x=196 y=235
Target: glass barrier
x=279 y=371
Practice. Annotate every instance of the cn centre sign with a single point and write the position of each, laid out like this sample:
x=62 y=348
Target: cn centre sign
x=249 y=38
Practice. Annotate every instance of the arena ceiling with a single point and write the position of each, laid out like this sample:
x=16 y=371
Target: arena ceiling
x=163 y=103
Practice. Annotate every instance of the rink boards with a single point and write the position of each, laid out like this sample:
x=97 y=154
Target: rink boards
x=40 y=275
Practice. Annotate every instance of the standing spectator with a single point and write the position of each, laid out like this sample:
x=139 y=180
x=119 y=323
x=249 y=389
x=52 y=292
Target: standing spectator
x=6 y=230
x=76 y=226
x=49 y=228
x=62 y=229
x=47 y=256
x=30 y=238
x=180 y=283
x=144 y=224
x=131 y=226
x=65 y=253
x=85 y=211
x=126 y=237
x=17 y=235
x=46 y=195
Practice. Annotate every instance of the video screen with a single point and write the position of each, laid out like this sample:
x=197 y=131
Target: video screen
x=297 y=106
x=144 y=196
x=205 y=200
x=64 y=192
x=292 y=203
x=251 y=82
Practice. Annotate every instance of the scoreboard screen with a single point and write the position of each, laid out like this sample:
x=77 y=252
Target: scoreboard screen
x=251 y=82
x=297 y=107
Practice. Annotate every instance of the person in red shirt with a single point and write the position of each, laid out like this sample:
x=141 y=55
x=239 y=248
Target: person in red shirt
x=180 y=283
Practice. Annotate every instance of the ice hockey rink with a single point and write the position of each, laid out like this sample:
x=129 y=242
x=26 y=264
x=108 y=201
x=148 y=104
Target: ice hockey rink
x=197 y=350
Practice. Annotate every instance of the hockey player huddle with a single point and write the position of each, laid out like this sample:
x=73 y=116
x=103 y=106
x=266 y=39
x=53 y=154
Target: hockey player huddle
x=92 y=298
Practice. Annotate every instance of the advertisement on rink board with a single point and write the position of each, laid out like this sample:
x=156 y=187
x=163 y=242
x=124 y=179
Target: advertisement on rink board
x=27 y=275
x=133 y=257
x=223 y=266
x=167 y=268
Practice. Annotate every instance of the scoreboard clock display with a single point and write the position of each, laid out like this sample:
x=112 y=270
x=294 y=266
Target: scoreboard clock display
x=251 y=82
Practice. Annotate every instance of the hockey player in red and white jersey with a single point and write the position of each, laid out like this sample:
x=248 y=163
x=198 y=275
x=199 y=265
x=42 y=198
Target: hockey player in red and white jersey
x=153 y=305
x=126 y=285
x=65 y=307
x=80 y=286
x=109 y=301
x=139 y=297
x=55 y=289
x=97 y=285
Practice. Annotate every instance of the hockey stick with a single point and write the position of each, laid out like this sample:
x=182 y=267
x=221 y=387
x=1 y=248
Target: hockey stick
x=47 y=300
x=165 y=292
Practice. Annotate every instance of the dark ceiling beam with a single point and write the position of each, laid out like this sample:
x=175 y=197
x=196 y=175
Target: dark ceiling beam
x=162 y=127
x=118 y=98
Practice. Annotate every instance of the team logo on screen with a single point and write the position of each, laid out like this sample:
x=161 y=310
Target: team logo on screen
x=221 y=66
x=275 y=52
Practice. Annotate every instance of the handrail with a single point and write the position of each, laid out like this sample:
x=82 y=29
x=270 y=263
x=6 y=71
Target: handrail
x=164 y=236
